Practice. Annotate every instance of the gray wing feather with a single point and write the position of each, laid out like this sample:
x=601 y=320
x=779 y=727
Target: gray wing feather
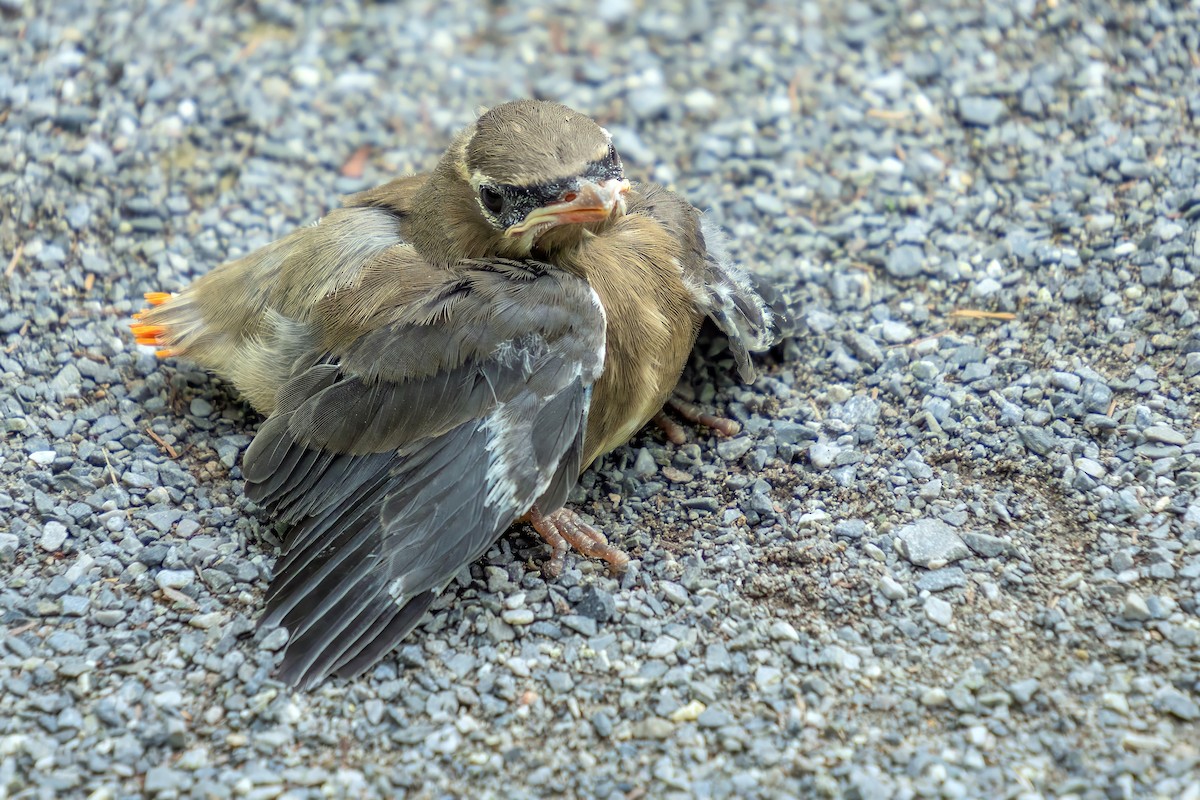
x=394 y=472
x=735 y=304
x=725 y=292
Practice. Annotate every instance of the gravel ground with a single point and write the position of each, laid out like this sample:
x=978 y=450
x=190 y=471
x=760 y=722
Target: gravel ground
x=952 y=554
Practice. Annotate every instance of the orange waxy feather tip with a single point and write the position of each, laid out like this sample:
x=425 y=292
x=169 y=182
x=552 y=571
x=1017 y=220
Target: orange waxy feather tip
x=147 y=331
x=157 y=298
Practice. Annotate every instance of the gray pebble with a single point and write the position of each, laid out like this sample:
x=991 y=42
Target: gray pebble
x=930 y=543
x=1135 y=607
x=1165 y=435
x=733 y=449
x=275 y=640
x=54 y=536
x=981 y=111
x=940 y=580
x=596 y=604
x=906 y=261
x=174 y=578
x=938 y=611
x=984 y=544
x=1176 y=703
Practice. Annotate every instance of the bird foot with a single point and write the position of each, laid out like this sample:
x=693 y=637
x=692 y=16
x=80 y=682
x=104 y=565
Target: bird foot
x=564 y=529
x=693 y=413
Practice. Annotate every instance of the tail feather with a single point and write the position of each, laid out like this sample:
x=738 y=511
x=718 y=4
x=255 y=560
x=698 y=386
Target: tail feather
x=163 y=324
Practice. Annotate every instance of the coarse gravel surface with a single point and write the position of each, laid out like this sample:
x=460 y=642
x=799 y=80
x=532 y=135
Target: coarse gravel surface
x=955 y=552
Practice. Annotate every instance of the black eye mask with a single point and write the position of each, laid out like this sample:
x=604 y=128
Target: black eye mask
x=519 y=201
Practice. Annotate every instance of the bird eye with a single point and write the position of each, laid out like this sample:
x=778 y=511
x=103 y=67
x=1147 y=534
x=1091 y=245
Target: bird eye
x=491 y=198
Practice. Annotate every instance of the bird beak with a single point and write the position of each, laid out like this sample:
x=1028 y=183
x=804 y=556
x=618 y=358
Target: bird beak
x=587 y=202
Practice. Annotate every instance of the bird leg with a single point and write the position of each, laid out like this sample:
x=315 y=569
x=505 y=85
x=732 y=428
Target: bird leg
x=692 y=413
x=564 y=527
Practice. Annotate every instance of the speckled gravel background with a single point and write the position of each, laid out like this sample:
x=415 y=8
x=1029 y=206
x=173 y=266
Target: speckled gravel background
x=950 y=556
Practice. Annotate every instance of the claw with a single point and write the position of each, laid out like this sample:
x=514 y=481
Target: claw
x=563 y=528
x=694 y=413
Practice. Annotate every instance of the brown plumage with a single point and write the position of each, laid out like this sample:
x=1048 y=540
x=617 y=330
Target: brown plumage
x=443 y=356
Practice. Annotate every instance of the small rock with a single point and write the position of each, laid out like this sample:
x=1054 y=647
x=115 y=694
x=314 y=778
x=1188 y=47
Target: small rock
x=677 y=475
x=1023 y=691
x=688 y=713
x=1176 y=703
x=850 y=529
x=939 y=580
x=9 y=542
x=43 y=458
x=674 y=592
x=938 y=611
x=206 y=621
x=174 y=578
x=109 y=617
x=986 y=545
x=653 y=728
x=982 y=112
x=713 y=718
x=164 y=780
x=733 y=449
x=1135 y=608
x=1165 y=435
x=895 y=332
x=783 y=631
x=930 y=543
x=905 y=261
x=200 y=407
x=62 y=641
x=579 y=623
x=54 y=535
x=1038 y=440
x=517 y=616
x=648 y=102
x=700 y=101
x=822 y=454
x=644 y=464
x=163 y=518
x=596 y=604
x=892 y=589
x=275 y=640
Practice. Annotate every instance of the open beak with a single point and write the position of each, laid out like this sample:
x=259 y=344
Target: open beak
x=587 y=202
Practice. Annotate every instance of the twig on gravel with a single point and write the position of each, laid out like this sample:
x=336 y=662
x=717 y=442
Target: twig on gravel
x=171 y=452
x=112 y=473
x=975 y=313
x=16 y=258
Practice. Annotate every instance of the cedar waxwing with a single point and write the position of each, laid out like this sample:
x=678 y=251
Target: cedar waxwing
x=445 y=355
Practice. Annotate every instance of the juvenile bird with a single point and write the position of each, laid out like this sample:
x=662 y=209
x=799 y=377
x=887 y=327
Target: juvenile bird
x=443 y=356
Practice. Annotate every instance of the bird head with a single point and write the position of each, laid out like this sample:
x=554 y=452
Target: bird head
x=528 y=178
